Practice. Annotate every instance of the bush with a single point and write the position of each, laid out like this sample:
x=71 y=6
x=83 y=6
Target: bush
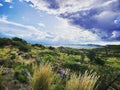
x=21 y=46
x=75 y=66
x=99 y=61
x=39 y=45
x=58 y=85
x=48 y=52
x=1 y=79
x=19 y=39
x=8 y=63
x=20 y=74
x=4 y=42
x=42 y=77
x=91 y=55
x=48 y=58
x=51 y=48
x=13 y=56
x=87 y=81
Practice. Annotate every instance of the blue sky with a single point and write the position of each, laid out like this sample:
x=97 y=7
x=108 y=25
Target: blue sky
x=61 y=21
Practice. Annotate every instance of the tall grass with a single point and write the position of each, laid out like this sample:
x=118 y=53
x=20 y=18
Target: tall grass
x=42 y=77
x=86 y=81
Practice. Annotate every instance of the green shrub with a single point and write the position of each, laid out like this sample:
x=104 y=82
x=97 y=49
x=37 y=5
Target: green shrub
x=4 y=42
x=48 y=52
x=24 y=48
x=20 y=74
x=58 y=85
x=69 y=51
x=76 y=67
x=13 y=56
x=21 y=46
x=51 y=48
x=8 y=63
x=15 y=81
x=99 y=61
x=48 y=58
x=1 y=79
x=73 y=58
x=19 y=39
x=91 y=55
x=39 y=45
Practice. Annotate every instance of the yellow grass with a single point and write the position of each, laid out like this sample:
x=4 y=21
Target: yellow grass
x=82 y=82
x=42 y=77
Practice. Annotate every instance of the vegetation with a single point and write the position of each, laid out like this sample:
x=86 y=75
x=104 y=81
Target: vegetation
x=0 y=76
x=25 y=66
x=42 y=77
x=84 y=81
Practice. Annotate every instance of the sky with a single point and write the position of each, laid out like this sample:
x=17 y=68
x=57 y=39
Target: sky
x=61 y=21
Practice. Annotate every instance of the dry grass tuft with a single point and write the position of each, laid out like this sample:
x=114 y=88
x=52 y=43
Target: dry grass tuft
x=42 y=77
x=86 y=81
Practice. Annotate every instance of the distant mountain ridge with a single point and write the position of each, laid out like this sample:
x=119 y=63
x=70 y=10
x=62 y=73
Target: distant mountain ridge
x=86 y=44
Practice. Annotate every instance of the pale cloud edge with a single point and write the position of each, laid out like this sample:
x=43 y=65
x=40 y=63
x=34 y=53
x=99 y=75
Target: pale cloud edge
x=1 y=4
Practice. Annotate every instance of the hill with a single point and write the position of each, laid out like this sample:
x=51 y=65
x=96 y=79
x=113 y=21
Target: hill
x=19 y=58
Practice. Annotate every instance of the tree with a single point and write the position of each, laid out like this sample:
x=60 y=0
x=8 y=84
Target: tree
x=4 y=41
x=19 y=39
x=82 y=58
x=91 y=55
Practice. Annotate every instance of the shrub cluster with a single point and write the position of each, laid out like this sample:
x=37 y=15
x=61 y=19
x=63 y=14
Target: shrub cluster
x=42 y=79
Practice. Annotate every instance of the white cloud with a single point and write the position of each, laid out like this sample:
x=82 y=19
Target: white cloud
x=1 y=4
x=8 y=1
x=4 y=17
x=115 y=34
x=117 y=21
x=24 y=31
x=21 y=0
x=10 y=6
x=41 y=24
x=66 y=33
x=106 y=43
x=71 y=6
x=106 y=16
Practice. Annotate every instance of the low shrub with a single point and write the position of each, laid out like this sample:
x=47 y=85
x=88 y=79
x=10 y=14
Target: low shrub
x=39 y=45
x=51 y=48
x=58 y=83
x=75 y=66
x=99 y=61
x=21 y=74
x=48 y=58
x=1 y=79
x=13 y=56
x=4 y=42
x=48 y=52
x=19 y=39
x=21 y=46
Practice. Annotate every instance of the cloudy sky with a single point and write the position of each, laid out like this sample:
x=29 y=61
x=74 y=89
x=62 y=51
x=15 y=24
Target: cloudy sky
x=61 y=21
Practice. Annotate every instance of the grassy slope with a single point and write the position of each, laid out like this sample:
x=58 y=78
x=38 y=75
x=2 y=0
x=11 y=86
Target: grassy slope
x=15 y=60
